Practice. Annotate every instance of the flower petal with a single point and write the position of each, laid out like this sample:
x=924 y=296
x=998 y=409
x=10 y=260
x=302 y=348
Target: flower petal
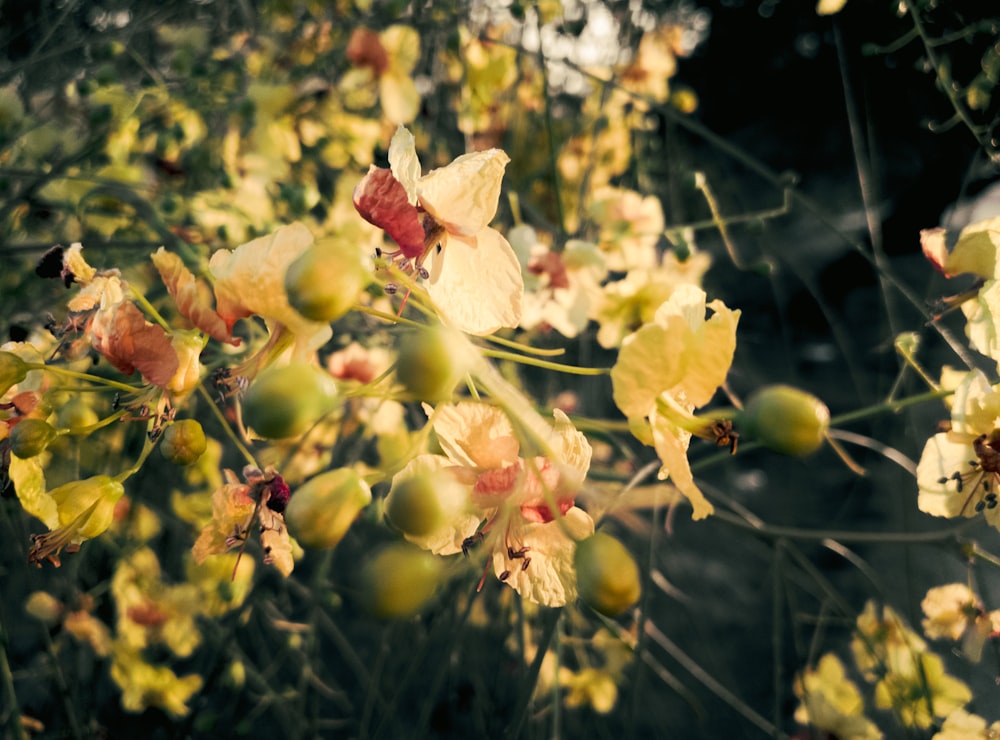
x=475 y=435
x=476 y=282
x=671 y=443
x=649 y=363
x=550 y=578
x=463 y=195
x=381 y=200
x=404 y=163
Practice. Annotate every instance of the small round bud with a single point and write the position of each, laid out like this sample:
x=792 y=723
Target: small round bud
x=417 y=505
x=607 y=577
x=12 y=371
x=786 y=420
x=323 y=282
x=285 y=401
x=431 y=362
x=75 y=416
x=399 y=581
x=44 y=607
x=322 y=510
x=183 y=442
x=30 y=437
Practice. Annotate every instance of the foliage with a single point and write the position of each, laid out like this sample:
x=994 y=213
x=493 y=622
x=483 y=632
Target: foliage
x=437 y=356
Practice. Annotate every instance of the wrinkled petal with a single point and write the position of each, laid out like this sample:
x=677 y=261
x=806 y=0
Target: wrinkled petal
x=476 y=282
x=129 y=342
x=671 y=444
x=382 y=201
x=404 y=163
x=649 y=363
x=982 y=314
x=550 y=578
x=976 y=250
x=251 y=280
x=193 y=297
x=463 y=195
x=475 y=435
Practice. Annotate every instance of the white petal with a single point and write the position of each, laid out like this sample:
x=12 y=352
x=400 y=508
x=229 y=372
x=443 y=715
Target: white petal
x=475 y=435
x=404 y=163
x=463 y=196
x=550 y=578
x=476 y=282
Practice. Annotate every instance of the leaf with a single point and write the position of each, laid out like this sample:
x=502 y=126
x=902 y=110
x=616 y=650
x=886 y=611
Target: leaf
x=193 y=297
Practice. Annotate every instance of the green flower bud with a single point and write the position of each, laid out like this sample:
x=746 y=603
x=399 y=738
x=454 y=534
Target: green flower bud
x=285 y=401
x=607 y=577
x=44 y=607
x=419 y=504
x=399 y=581
x=97 y=494
x=786 y=420
x=323 y=282
x=76 y=415
x=321 y=511
x=30 y=437
x=183 y=442
x=431 y=362
x=12 y=371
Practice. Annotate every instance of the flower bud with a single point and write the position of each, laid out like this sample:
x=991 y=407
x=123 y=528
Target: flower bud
x=285 y=401
x=30 y=437
x=322 y=510
x=419 y=504
x=607 y=577
x=323 y=282
x=97 y=494
x=786 y=420
x=12 y=371
x=431 y=362
x=183 y=442
x=44 y=607
x=76 y=415
x=399 y=581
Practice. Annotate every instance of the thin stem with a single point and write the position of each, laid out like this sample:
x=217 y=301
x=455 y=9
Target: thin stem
x=527 y=348
x=56 y=370
x=554 y=366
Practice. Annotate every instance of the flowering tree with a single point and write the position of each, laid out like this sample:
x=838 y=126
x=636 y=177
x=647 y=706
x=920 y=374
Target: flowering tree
x=359 y=381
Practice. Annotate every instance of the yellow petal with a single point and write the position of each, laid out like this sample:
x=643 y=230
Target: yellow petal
x=404 y=163
x=476 y=283
x=463 y=195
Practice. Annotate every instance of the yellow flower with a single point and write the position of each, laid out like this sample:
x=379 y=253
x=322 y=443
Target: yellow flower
x=959 y=470
x=144 y=685
x=440 y=221
x=918 y=690
x=960 y=725
x=954 y=612
x=668 y=368
x=85 y=510
x=829 y=701
x=385 y=60
x=250 y=280
x=507 y=502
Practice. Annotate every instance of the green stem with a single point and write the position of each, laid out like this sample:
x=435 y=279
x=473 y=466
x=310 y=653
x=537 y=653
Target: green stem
x=10 y=695
x=889 y=406
x=797 y=533
x=81 y=376
x=149 y=309
x=526 y=348
x=247 y=455
x=528 y=687
x=554 y=366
